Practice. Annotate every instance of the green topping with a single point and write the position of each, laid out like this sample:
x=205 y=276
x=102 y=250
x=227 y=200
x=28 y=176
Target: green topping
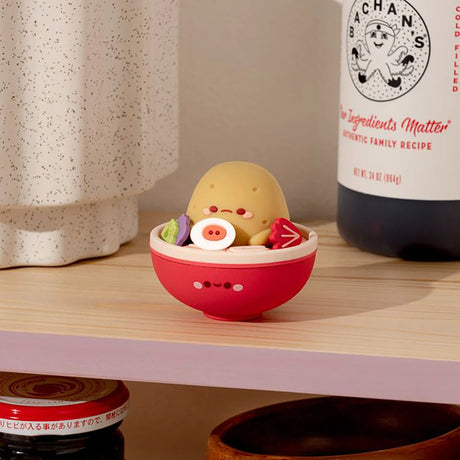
x=170 y=231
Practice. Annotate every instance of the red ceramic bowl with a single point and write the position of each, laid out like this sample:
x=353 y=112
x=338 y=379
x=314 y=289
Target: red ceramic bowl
x=236 y=284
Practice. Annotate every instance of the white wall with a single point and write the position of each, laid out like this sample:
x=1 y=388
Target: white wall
x=258 y=81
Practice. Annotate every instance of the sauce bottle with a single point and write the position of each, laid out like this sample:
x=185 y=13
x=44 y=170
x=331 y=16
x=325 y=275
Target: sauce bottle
x=399 y=138
x=61 y=418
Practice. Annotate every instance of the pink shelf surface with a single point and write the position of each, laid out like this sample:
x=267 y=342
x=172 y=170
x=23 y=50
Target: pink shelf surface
x=363 y=326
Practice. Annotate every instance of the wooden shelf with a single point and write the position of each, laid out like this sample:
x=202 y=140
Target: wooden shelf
x=364 y=325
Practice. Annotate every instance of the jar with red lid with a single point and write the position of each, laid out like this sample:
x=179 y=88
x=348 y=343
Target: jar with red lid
x=65 y=418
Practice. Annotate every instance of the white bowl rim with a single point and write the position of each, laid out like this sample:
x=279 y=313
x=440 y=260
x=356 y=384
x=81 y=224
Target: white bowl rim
x=237 y=255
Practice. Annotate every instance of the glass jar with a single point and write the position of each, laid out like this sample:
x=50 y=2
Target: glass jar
x=50 y=417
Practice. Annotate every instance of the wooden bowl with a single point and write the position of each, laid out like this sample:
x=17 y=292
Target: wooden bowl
x=342 y=429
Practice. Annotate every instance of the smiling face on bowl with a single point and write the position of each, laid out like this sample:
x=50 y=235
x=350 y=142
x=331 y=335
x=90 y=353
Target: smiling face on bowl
x=236 y=284
x=243 y=193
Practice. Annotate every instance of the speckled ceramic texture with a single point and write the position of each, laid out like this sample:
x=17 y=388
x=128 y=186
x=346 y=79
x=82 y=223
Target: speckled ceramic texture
x=63 y=234
x=88 y=112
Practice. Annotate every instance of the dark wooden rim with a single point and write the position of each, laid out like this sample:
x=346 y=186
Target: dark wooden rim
x=215 y=438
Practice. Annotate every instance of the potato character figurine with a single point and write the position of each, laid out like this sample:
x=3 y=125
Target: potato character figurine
x=243 y=193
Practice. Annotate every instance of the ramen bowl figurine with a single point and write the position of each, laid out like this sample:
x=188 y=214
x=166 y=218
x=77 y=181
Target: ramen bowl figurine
x=234 y=254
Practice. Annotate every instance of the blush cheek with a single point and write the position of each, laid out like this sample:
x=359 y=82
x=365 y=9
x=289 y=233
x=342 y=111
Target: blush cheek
x=206 y=211
x=248 y=215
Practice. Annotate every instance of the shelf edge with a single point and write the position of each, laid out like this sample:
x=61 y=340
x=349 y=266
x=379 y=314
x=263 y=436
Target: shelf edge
x=232 y=367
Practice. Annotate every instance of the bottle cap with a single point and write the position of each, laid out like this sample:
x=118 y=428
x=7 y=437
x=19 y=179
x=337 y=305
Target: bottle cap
x=38 y=405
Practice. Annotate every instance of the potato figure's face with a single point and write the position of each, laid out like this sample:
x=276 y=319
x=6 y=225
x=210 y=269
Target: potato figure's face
x=245 y=194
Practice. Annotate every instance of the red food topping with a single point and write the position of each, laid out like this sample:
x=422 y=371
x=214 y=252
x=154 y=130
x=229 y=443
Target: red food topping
x=284 y=234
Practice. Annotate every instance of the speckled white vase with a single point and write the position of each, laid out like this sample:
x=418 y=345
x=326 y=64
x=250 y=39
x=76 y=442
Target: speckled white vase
x=88 y=121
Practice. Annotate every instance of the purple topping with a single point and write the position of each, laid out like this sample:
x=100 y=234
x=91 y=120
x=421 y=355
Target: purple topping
x=184 y=229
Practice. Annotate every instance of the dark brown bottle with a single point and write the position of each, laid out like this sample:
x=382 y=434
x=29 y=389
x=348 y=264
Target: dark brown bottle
x=61 y=418
x=399 y=139
x=410 y=229
x=105 y=444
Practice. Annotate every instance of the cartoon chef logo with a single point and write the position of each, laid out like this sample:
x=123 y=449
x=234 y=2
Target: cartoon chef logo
x=388 y=48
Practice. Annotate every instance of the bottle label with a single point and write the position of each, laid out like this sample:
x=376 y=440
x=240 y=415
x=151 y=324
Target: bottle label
x=399 y=114
x=63 y=427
